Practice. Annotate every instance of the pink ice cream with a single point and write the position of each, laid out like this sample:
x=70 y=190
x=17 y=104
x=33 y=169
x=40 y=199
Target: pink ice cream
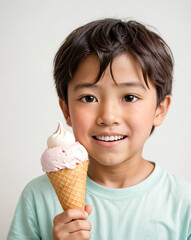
x=54 y=159
x=62 y=151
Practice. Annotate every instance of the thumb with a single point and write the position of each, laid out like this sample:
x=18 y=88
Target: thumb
x=88 y=209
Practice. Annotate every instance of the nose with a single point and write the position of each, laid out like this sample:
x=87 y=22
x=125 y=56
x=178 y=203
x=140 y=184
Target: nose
x=109 y=114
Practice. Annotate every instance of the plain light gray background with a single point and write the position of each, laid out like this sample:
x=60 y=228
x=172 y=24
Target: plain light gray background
x=31 y=32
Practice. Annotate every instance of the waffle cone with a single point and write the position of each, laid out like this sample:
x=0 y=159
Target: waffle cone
x=70 y=185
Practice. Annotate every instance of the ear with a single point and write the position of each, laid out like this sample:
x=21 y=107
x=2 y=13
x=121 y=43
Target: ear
x=65 y=110
x=161 y=111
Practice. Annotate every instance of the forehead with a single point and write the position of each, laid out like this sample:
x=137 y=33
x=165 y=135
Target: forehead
x=124 y=68
x=89 y=67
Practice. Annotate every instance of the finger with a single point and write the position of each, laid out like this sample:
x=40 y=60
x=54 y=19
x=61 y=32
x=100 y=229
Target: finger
x=78 y=225
x=69 y=215
x=88 y=209
x=83 y=235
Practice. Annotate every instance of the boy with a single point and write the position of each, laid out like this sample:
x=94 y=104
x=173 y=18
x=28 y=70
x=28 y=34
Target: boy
x=114 y=82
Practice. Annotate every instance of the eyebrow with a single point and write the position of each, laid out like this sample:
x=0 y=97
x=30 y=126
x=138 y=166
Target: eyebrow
x=132 y=84
x=121 y=85
x=84 y=85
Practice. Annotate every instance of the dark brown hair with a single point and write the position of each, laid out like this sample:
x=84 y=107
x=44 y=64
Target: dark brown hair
x=107 y=38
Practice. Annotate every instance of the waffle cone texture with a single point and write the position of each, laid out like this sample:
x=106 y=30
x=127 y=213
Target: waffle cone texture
x=70 y=186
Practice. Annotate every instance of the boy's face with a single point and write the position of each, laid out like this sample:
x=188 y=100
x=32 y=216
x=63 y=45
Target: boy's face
x=112 y=121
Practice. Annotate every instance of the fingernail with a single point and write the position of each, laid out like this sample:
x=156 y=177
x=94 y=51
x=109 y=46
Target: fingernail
x=86 y=214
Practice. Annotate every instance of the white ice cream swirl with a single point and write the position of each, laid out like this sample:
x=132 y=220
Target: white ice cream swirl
x=60 y=138
x=62 y=151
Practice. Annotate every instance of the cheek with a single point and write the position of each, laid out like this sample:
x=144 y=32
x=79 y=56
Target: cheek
x=141 y=121
x=81 y=121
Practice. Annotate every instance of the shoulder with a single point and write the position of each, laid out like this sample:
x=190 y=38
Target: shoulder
x=38 y=187
x=35 y=211
x=178 y=185
x=38 y=181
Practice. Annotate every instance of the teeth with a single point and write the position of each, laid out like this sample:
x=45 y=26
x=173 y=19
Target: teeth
x=112 y=138
x=109 y=138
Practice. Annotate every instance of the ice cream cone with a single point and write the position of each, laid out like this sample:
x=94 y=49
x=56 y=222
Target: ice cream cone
x=70 y=185
x=65 y=163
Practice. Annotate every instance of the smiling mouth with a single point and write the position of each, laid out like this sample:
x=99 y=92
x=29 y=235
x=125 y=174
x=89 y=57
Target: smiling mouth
x=109 y=138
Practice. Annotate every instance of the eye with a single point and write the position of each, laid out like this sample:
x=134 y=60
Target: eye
x=88 y=98
x=130 y=98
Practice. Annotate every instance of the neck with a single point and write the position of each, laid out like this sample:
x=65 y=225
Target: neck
x=124 y=175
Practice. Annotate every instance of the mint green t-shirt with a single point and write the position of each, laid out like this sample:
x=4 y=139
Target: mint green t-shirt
x=159 y=208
